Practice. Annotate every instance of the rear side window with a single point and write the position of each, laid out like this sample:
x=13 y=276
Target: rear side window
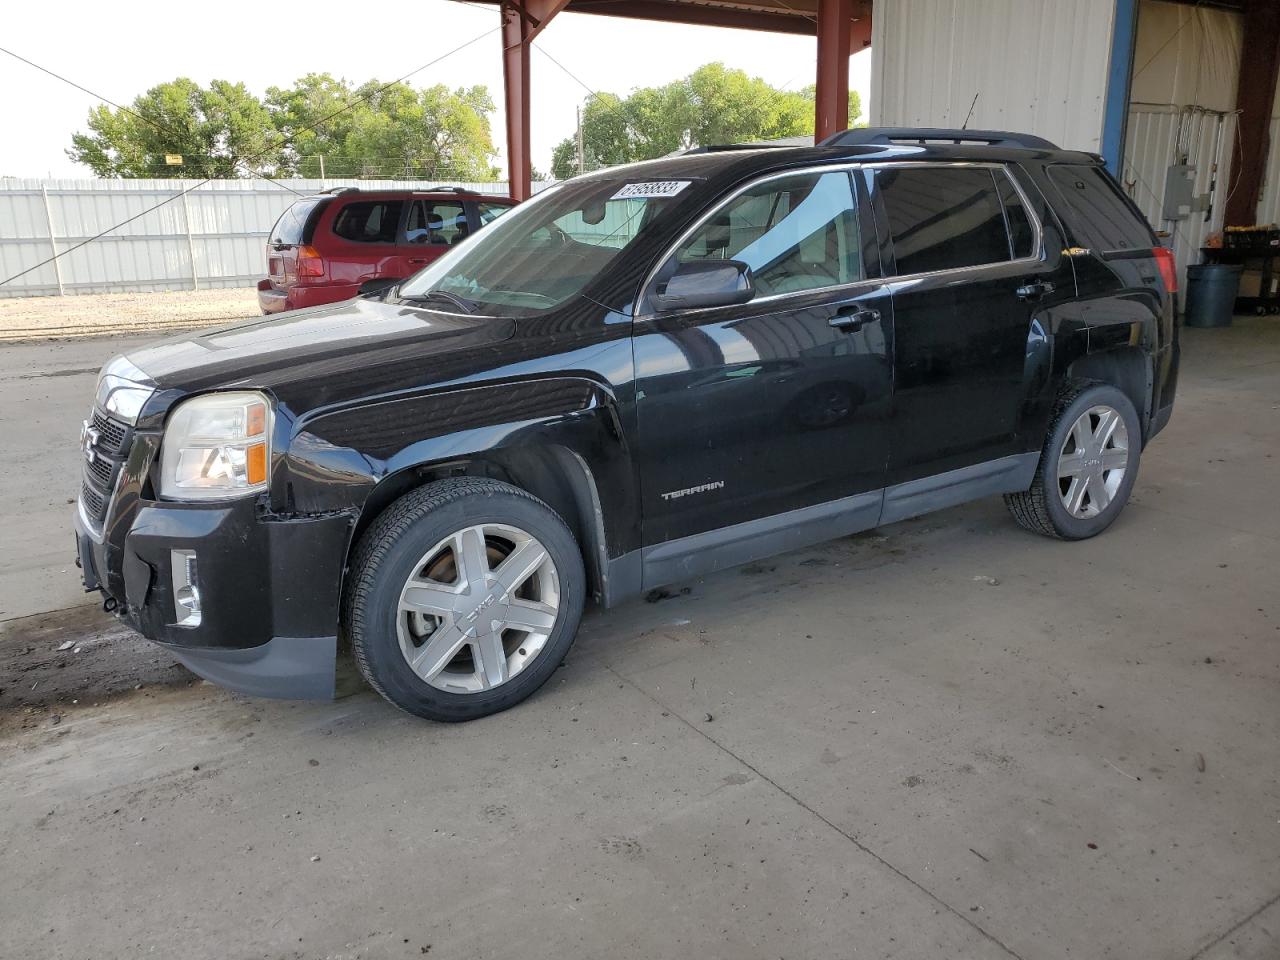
x=941 y=218
x=369 y=221
x=1098 y=215
x=296 y=224
x=436 y=221
x=1022 y=237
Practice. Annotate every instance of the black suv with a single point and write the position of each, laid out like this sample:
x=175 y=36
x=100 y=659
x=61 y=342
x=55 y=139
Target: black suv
x=640 y=376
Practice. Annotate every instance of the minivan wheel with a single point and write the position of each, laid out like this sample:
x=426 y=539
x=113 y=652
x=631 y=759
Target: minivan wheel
x=464 y=597
x=1088 y=465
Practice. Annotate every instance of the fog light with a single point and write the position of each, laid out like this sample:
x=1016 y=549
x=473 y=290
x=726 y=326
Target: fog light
x=186 y=590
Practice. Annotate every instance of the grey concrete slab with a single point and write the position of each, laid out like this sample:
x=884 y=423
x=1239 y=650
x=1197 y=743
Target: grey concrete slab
x=46 y=390
x=863 y=749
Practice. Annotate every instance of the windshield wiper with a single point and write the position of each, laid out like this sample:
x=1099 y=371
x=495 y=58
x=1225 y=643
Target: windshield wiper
x=465 y=305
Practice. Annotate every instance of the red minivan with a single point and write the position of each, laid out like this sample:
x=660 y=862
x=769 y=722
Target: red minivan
x=348 y=241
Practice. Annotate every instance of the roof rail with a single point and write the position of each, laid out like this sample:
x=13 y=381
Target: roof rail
x=726 y=147
x=335 y=191
x=443 y=189
x=891 y=135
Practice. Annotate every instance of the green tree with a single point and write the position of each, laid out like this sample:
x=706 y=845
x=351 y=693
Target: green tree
x=714 y=104
x=396 y=131
x=211 y=128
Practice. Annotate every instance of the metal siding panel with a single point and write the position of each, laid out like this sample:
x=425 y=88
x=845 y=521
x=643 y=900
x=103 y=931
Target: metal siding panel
x=1039 y=66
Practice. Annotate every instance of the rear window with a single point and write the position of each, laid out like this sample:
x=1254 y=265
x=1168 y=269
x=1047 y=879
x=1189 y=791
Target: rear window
x=296 y=224
x=942 y=217
x=1098 y=215
x=369 y=221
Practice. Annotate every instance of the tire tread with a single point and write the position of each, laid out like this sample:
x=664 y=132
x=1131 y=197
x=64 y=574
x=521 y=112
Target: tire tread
x=1029 y=507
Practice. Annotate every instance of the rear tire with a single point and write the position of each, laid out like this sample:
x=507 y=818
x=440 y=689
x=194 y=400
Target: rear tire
x=441 y=624
x=1087 y=467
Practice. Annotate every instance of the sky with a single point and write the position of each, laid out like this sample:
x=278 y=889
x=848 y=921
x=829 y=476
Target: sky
x=118 y=50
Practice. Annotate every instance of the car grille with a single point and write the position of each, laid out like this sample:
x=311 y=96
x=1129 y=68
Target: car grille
x=106 y=446
x=111 y=433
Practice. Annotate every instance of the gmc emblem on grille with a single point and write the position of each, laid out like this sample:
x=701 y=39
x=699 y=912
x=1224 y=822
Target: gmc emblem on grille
x=88 y=438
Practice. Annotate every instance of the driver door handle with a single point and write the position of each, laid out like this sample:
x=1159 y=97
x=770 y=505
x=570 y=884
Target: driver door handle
x=852 y=319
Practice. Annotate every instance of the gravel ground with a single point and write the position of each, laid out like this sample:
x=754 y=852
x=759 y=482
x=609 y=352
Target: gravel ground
x=96 y=315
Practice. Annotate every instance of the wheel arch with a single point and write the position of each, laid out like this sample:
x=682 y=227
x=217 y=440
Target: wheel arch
x=1128 y=368
x=555 y=474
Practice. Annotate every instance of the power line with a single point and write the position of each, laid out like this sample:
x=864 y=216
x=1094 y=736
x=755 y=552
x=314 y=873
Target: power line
x=283 y=141
x=163 y=128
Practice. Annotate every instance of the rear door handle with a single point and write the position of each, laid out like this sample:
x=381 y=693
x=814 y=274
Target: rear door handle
x=417 y=259
x=1034 y=290
x=852 y=319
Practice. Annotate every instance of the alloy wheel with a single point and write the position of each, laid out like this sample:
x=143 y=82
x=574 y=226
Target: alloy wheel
x=1093 y=461
x=478 y=608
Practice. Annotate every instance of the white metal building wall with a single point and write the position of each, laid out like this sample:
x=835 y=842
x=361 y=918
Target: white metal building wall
x=1182 y=109
x=1036 y=66
x=229 y=221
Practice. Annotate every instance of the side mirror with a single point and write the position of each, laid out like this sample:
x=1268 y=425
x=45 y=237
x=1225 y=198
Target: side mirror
x=705 y=283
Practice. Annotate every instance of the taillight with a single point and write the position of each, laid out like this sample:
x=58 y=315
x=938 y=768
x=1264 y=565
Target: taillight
x=309 y=263
x=1168 y=268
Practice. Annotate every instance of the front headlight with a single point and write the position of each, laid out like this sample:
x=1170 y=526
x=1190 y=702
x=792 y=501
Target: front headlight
x=216 y=446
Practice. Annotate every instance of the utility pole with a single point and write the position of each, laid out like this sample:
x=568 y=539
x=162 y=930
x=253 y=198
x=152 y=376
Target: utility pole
x=322 y=171
x=578 y=111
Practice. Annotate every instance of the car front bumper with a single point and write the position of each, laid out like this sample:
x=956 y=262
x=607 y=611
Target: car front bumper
x=267 y=590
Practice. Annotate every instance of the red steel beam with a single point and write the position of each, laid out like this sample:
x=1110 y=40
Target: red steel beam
x=1256 y=90
x=831 y=105
x=522 y=20
x=673 y=11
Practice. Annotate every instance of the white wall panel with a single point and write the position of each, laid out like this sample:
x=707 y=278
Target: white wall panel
x=1036 y=66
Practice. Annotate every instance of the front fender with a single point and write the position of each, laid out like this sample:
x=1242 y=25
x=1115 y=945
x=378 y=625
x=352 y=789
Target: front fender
x=339 y=460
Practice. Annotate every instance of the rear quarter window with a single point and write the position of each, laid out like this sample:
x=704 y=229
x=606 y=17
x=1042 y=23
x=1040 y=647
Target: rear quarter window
x=297 y=224
x=369 y=221
x=1097 y=214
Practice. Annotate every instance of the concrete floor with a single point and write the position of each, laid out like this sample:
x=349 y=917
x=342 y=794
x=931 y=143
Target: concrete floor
x=866 y=749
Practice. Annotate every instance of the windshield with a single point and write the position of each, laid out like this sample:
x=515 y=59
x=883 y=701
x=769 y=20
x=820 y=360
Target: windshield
x=545 y=251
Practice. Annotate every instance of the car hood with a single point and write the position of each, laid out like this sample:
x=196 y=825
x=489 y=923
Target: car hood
x=316 y=350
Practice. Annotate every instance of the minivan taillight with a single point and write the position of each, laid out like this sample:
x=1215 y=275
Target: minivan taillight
x=1168 y=268
x=309 y=263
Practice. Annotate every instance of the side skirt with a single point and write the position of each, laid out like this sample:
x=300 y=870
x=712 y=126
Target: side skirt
x=1006 y=475
x=705 y=553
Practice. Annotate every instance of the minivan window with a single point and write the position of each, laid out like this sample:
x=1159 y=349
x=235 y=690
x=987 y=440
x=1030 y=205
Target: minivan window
x=292 y=227
x=436 y=221
x=943 y=217
x=369 y=221
x=491 y=211
x=795 y=233
x=546 y=250
x=1098 y=215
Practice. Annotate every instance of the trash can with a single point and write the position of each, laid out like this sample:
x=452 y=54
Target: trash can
x=1211 y=294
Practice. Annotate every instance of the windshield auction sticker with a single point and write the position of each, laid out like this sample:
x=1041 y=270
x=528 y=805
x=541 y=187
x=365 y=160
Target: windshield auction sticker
x=653 y=188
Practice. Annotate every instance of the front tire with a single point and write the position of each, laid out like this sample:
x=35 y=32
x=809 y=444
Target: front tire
x=1087 y=467
x=465 y=595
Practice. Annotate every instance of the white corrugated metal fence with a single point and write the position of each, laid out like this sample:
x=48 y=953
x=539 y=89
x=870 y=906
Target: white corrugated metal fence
x=213 y=236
